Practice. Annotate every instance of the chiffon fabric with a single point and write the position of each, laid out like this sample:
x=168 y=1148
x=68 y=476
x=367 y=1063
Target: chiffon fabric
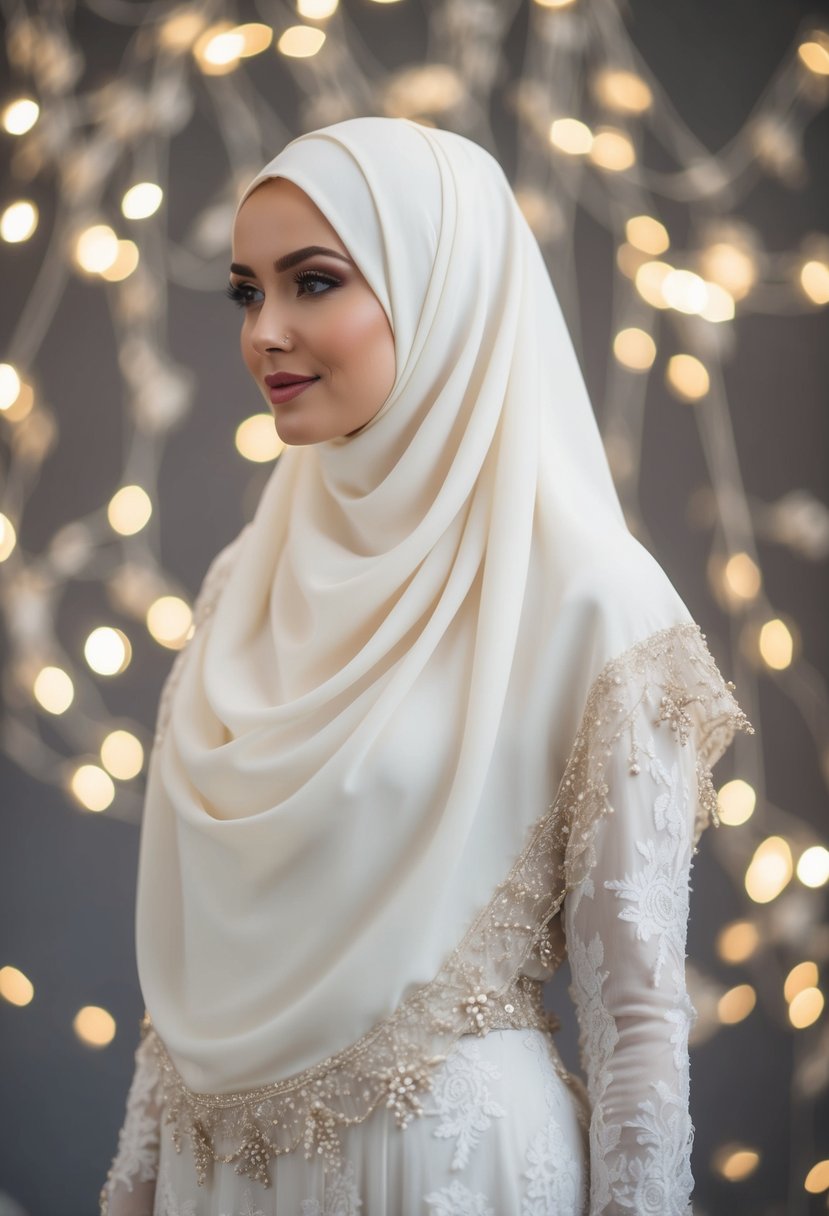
x=442 y=723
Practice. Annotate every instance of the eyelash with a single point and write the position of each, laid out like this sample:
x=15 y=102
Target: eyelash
x=238 y=294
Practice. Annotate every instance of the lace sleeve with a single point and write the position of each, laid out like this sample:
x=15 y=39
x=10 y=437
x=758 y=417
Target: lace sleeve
x=129 y=1189
x=626 y=927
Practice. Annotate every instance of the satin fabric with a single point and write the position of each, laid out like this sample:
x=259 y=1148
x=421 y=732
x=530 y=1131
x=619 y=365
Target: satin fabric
x=384 y=697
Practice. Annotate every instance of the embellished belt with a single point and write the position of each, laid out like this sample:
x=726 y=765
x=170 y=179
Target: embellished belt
x=392 y=1065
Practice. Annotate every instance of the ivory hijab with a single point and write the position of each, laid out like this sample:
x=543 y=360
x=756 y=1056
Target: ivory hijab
x=387 y=690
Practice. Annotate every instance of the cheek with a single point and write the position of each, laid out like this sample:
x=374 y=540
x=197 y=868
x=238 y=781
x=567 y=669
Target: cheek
x=363 y=344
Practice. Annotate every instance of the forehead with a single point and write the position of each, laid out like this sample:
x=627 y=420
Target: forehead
x=279 y=217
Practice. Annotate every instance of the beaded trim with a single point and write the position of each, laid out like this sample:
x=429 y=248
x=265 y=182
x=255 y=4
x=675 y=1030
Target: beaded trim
x=673 y=677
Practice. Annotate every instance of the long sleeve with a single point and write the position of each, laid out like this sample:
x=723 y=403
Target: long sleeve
x=129 y=1189
x=626 y=930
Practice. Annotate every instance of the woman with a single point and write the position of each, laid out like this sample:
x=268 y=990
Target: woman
x=443 y=722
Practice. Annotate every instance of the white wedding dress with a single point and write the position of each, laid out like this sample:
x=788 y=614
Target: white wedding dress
x=502 y=1131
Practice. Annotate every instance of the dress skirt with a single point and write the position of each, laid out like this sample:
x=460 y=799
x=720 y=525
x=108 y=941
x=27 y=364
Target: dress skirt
x=500 y=1135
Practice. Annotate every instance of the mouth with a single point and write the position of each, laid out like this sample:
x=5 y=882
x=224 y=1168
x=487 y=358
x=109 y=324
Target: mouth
x=284 y=387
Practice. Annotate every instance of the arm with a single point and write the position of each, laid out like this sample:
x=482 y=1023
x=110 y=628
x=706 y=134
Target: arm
x=129 y=1189
x=626 y=927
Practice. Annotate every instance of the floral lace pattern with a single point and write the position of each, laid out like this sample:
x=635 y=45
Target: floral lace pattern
x=640 y=713
x=130 y=1183
x=457 y=1200
x=341 y=1198
x=557 y=1180
x=641 y=1134
x=464 y=1104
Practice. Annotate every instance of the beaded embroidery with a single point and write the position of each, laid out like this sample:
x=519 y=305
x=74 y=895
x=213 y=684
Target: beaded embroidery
x=480 y=986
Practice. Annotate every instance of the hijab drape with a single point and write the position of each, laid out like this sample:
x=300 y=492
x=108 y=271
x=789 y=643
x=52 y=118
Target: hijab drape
x=385 y=694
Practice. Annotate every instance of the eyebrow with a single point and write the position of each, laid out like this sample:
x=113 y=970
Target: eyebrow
x=292 y=259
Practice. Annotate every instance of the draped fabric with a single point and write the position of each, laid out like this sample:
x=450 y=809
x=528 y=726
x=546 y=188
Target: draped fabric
x=387 y=690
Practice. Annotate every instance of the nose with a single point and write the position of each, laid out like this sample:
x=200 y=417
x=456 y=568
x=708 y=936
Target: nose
x=270 y=329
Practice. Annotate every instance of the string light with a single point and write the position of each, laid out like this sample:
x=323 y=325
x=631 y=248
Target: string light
x=92 y=787
x=18 y=222
x=94 y=1026
x=634 y=349
x=20 y=115
x=54 y=690
x=648 y=234
x=257 y=439
x=316 y=10
x=736 y=801
x=813 y=866
x=142 y=200
x=300 y=41
x=15 y=987
x=107 y=651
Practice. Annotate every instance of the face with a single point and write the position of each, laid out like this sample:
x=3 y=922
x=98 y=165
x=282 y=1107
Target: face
x=310 y=318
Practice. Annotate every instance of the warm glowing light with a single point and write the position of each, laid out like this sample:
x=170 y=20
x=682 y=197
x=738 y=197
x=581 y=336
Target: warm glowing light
x=256 y=38
x=316 y=10
x=736 y=801
x=612 y=150
x=734 y=1162
x=54 y=690
x=96 y=249
x=649 y=280
x=571 y=136
x=647 y=234
x=300 y=41
x=634 y=349
x=806 y=1008
x=742 y=576
x=687 y=377
x=8 y=537
x=554 y=3
x=814 y=53
x=129 y=510
x=817 y=1179
x=122 y=754
x=257 y=440
x=107 y=651
x=9 y=386
x=430 y=89
x=623 y=91
x=685 y=291
x=719 y=304
x=736 y=1004
x=125 y=262
x=94 y=1026
x=92 y=787
x=770 y=870
x=804 y=975
x=141 y=200
x=168 y=620
x=814 y=279
x=20 y=116
x=15 y=987
x=180 y=31
x=737 y=942
x=219 y=49
x=18 y=221
x=730 y=267
x=19 y=407
x=813 y=866
x=776 y=644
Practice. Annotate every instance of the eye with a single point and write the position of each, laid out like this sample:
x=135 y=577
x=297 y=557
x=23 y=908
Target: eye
x=315 y=283
x=241 y=294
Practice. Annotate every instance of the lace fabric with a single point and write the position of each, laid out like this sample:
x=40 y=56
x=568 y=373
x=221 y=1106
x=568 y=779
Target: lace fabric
x=655 y=720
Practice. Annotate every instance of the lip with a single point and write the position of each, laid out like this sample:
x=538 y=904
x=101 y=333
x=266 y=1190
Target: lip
x=288 y=389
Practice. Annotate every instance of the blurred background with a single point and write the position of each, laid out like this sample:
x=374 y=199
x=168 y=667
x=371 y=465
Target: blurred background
x=673 y=161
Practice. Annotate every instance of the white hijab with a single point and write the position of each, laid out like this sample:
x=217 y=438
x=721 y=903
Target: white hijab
x=381 y=705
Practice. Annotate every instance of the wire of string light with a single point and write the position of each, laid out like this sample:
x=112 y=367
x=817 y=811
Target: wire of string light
x=582 y=105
